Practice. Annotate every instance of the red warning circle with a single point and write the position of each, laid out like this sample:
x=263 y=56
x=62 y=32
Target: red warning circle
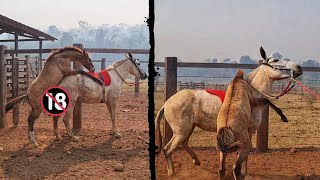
x=55 y=101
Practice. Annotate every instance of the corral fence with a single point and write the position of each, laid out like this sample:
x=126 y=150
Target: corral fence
x=171 y=85
x=16 y=75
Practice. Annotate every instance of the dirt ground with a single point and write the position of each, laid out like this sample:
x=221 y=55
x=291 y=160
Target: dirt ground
x=279 y=164
x=96 y=155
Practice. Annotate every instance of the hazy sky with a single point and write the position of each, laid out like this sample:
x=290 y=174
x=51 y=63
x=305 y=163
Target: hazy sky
x=66 y=13
x=196 y=30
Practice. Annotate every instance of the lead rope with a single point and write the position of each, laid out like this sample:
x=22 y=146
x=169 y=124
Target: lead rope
x=305 y=88
x=285 y=91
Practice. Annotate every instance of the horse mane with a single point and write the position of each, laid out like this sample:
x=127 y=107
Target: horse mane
x=234 y=93
x=67 y=48
x=115 y=64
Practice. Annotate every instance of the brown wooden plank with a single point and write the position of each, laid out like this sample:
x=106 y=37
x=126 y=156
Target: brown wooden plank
x=170 y=89
x=3 y=90
x=77 y=111
x=136 y=86
x=90 y=50
x=263 y=132
x=28 y=70
x=103 y=64
x=15 y=89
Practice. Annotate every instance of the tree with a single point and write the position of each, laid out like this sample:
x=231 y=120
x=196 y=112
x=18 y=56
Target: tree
x=311 y=63
x=66 y=39
x=227 y=60
x=246 y=60
x=276 y=55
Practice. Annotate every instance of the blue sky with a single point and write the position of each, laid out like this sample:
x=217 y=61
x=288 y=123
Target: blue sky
x=66 y=13
x=196 y=30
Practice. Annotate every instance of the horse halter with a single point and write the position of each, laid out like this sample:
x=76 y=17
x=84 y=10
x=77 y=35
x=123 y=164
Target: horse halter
x=277 y=67
x=280 y=68
x=115 y=69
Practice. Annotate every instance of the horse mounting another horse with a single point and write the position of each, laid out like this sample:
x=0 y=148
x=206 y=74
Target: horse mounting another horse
x=241 y=113
x=188 y=109
x=85 y=89
x=57 y=66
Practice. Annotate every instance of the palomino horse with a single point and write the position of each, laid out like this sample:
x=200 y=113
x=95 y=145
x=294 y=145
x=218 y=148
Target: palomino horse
x=190 y=108
x=91 y=92
x=57 y=66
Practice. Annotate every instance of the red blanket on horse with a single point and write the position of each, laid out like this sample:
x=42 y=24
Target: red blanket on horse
x=103 y=76
x=220 y=93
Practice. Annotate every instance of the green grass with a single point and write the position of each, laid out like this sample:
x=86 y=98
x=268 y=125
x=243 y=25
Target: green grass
x=303 y=129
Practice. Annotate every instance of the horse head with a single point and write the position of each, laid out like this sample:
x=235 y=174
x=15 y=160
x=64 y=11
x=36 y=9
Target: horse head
x=86 y=61
x=278 y=69
x=135 y=69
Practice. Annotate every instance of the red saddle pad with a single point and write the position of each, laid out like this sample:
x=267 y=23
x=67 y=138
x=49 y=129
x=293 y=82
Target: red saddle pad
x=220 y=93
x=104 y=75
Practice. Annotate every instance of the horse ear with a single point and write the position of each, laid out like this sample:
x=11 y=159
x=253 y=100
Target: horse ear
x=130 y=55
x=263 y=53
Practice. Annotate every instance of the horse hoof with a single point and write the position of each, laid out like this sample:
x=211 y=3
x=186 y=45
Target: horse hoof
x=196 y=162
x=118 y=136
x=35 y=144
x=58 y=138
x=75 y=138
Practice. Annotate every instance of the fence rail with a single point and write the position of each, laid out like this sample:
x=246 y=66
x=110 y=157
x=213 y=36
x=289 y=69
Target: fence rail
x=170 y=73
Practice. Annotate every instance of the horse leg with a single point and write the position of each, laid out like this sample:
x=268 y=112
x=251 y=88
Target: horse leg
x=189 y=150
x=55 y=127
x=222 y=166
x=174 y=142
x=242 y=156
x=112 y=110
x=66 y=119
x=33 y=116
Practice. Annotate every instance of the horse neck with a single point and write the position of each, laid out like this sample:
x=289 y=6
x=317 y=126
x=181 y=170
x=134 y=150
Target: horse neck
x=260 y=80
x=72 y=55
x=123 y=70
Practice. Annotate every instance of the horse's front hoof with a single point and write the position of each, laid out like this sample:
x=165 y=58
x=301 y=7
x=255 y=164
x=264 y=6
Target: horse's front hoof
x=35 y=144
x=196 y=162
x=75 y=138
x=117 y=135
x=58 y=138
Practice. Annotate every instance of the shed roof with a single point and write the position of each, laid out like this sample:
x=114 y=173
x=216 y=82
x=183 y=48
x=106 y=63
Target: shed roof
x=11 y=26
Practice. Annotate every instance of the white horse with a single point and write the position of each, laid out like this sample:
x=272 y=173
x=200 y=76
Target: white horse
x=87 y=89
x=190 y=108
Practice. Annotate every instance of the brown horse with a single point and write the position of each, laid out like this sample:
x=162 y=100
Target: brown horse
x=241 y=113
x=57 y=66
x=188 y=109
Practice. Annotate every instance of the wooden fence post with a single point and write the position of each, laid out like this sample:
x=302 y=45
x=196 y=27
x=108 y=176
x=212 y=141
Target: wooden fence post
x=263 y=130
x=171 y=64
x=3 y=87
x=15 y=88
x=103 y=64
x=28 y=70
x=77 y=111
x=136 y=86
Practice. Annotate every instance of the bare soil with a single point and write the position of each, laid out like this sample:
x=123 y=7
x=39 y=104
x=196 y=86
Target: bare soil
x=97 y=155
x=273 y=164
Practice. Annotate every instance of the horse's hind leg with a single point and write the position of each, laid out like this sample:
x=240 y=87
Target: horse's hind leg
x=175 y=142
x=222 y=167
x=189 y=150
x=33 y=116
x=66 y=119
x=242 y=156
x=112 y=110
x=55 y=127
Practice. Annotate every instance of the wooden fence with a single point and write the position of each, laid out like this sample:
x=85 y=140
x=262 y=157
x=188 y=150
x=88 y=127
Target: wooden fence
x=16 y=75
x=170 y=83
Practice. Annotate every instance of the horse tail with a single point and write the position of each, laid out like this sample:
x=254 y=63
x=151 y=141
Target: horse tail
x=11 y=104
x=226 y=141
x=158 y=132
